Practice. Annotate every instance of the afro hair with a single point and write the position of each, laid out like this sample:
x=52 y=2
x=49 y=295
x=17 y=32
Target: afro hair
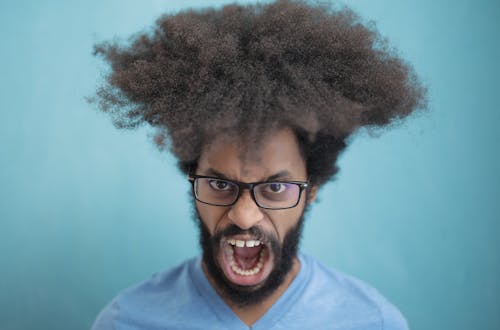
x=251 y=68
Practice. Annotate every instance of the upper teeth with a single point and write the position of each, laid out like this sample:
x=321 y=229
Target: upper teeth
x=240 y=243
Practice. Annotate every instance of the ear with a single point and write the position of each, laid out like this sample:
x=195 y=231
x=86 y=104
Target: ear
x=311 y=194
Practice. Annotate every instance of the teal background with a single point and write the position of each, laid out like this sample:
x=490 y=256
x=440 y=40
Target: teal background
x=87 y=210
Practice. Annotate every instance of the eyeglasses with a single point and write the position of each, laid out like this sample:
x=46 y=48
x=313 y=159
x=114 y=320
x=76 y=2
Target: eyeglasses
x=273 y=195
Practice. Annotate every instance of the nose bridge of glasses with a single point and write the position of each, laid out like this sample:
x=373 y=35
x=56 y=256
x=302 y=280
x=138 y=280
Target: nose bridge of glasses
x=242 y=186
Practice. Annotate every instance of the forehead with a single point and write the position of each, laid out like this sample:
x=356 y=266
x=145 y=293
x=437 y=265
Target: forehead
x=277 y=152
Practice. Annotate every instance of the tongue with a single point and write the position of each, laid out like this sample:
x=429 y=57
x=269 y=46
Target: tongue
x=247 y=257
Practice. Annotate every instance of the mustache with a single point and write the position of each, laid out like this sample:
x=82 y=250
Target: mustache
x=235 y=230
x=253 y=231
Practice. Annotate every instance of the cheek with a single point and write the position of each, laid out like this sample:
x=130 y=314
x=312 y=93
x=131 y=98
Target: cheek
x=284 y=220
x=210 y=215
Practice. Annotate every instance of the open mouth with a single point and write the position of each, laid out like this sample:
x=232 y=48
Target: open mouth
x=246 y=261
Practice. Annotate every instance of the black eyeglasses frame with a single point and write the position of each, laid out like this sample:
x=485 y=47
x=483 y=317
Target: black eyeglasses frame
x=250 y=186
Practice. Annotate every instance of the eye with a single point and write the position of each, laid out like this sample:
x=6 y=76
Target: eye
x=220 y=185
x=276 y=187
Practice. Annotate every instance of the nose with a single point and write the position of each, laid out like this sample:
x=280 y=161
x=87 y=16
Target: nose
x=245 y=213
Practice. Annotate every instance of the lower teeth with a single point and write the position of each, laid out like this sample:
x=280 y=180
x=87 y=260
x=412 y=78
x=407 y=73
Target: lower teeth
x=247 y=272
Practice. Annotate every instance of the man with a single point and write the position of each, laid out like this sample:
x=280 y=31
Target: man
x=257 y=103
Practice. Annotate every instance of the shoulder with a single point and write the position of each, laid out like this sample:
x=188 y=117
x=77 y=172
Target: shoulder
x=348 y=299
x=152 y=303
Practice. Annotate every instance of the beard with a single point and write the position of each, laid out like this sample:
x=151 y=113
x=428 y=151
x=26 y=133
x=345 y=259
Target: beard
x=284 y=256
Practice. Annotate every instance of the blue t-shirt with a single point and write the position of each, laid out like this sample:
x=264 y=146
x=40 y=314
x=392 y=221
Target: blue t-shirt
x=318 y=298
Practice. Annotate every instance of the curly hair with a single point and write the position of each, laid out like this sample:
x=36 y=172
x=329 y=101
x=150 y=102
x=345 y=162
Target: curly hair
x=249 y=69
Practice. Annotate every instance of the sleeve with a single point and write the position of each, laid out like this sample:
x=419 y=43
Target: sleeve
x=393 y=319
x=104 y=320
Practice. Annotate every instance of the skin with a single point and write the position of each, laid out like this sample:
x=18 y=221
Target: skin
x=279 y=154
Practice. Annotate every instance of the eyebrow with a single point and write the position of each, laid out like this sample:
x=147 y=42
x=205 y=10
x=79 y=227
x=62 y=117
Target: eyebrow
x=284 y=174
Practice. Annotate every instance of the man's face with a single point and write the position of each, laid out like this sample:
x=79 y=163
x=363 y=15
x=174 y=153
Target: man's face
x=249 y=273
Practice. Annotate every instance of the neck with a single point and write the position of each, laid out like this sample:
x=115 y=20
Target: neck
x=250 y=314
